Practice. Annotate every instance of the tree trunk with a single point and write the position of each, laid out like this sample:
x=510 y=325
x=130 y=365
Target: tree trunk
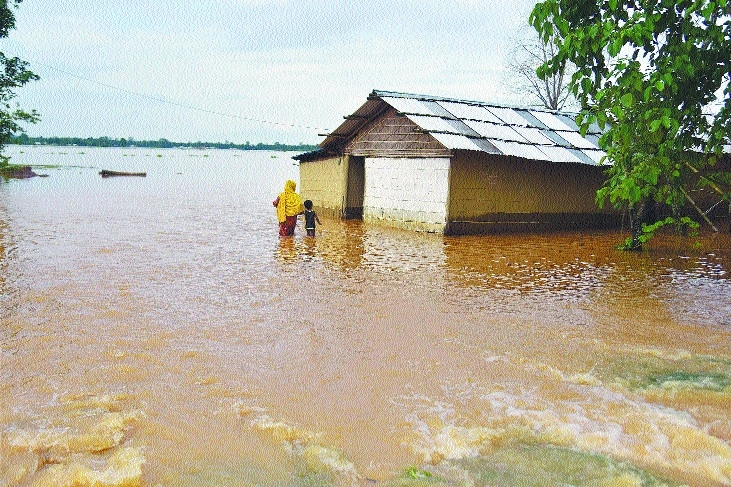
x=636 y=219
x=679 y=229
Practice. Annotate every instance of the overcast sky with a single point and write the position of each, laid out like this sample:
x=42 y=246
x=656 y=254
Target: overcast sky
x=251 y=70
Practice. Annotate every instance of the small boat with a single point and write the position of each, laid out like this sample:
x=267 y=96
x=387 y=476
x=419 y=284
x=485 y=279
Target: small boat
x=106 y=173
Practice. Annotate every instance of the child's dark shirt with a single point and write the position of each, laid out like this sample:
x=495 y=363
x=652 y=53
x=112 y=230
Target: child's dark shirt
x=310 y=216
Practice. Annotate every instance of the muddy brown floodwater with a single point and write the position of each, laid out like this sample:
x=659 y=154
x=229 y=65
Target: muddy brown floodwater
x=156 y=331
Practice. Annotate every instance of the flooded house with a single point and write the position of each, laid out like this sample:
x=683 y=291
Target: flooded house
x=457 y=167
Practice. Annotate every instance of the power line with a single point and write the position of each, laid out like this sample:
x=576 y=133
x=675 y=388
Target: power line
x=174 y=103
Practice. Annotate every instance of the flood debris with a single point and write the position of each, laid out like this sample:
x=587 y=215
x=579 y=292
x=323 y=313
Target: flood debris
x=105 y=173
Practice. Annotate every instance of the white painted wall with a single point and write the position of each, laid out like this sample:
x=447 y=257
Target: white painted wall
x=407 y=192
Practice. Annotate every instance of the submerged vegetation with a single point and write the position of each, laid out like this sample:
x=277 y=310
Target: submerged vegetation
x=8 y=171
x=684 y=225
x=24 y=139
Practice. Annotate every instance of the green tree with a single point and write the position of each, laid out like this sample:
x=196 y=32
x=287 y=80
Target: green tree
x=647 y=72
x=14 y=73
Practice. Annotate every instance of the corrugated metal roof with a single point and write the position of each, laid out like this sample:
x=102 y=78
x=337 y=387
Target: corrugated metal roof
x=434 y=124
x=495 y=131
x=559 y=154
x=509 y=116
x=595 y=155
x=557 y=139
x=469 y=112
x=470 y=125
x=516 y=149
x=576 y=140
x=532 y=120
x=550 y=120
x=408 y=105
x=454 y=141
x=534 y=135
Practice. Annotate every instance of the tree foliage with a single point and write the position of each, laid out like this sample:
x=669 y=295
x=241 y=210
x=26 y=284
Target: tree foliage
x=14 y=73
x=648 y=72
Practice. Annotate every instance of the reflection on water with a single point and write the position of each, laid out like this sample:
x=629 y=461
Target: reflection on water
x=157 y=331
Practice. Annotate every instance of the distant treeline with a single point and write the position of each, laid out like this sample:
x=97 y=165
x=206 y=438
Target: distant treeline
x=24 y=139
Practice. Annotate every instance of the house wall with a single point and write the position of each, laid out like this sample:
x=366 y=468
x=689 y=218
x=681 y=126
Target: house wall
x=325 y=182
x=490 y=193
x=407 y=192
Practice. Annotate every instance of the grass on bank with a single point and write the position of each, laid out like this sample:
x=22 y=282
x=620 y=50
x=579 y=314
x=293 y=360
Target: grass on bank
x=8 y=170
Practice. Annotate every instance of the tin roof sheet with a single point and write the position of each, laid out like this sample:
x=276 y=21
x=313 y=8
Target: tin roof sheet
x=582 y=156
x=550 y=120
x=531 y=119
x=408 y=105
x=595 y=155
x=509 y=116
x=435 y=124
x=576 y=140
x=569 y=121
x=469 y=112
x=533 y=135
x=560 y=154
x=455 y=141
x=555 y=138
x=516 y=149
x=494 y=131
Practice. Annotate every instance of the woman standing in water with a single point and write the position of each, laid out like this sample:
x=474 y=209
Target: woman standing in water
x=289 y=205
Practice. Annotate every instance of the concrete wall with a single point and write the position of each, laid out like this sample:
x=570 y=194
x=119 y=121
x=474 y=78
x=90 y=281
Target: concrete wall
x=325 y=183
x=407 y=192
x=497 y=193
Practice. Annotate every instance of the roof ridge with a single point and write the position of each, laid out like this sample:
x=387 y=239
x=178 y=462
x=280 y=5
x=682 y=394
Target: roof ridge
x=421 y=97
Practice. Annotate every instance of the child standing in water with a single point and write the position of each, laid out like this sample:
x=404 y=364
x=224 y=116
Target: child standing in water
x=310 y=219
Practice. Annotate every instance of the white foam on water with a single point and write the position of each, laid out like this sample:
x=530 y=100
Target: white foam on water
x=122 y=469
x=307 y=445
x=88 y=449
x=106 y=432
x=606 y=422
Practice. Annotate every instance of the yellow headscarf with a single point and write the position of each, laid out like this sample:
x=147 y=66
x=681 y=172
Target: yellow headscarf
x=290 y=203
